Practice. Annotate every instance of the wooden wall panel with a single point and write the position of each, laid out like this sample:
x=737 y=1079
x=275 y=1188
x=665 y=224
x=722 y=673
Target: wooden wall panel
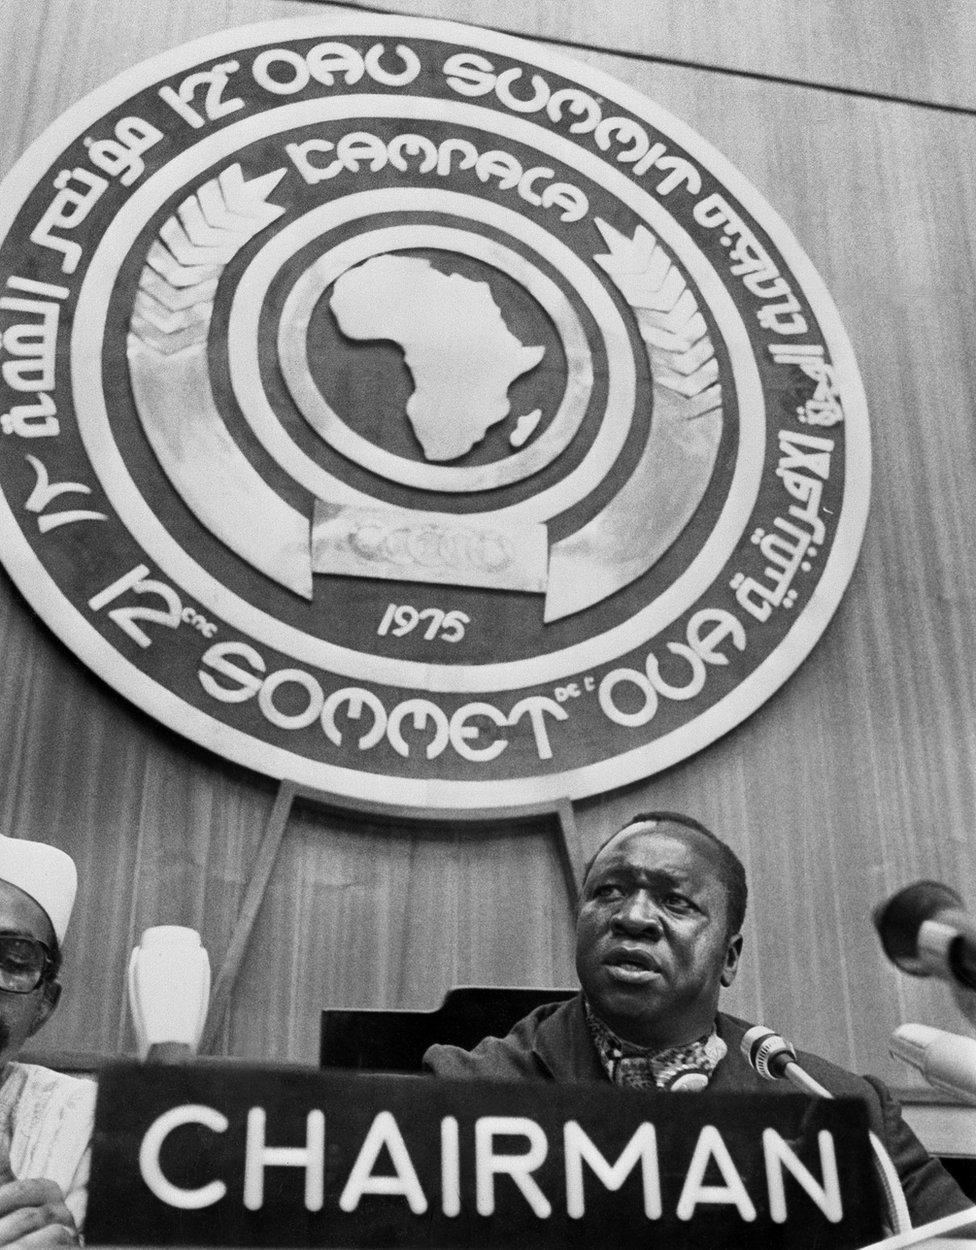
x=857 y=777
x=362 y=915
x=896 y=47
x=899 y=47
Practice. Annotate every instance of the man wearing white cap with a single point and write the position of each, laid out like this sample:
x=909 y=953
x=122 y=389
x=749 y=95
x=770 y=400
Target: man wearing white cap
x=45 y=1117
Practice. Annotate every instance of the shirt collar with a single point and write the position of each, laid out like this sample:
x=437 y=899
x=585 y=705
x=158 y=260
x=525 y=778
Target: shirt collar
x=686 y=1068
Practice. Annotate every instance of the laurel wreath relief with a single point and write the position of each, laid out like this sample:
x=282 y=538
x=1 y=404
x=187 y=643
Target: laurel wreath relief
x=170 y=378
x=651 y=508
x=678 y=344
x=174 y=303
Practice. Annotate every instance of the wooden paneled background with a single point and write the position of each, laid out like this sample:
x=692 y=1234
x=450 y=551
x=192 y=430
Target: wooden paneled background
x=858 y=777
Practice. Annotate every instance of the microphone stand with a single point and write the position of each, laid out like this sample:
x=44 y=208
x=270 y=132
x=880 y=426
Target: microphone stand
x=887 y=1174
x=777 y=1058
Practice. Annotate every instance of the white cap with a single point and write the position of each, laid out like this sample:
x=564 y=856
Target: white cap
x=44 y=872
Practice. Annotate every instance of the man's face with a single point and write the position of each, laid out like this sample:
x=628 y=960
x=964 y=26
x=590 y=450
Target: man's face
x=651 y=944
x=22 y=1014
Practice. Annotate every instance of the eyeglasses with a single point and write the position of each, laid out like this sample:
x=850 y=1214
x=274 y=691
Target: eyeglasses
x=24 y=963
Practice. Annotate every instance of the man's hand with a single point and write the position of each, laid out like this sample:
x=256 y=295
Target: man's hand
x=33 y=1213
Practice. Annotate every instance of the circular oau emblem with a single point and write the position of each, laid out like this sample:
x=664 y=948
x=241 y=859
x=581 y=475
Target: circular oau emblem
x=400 y=409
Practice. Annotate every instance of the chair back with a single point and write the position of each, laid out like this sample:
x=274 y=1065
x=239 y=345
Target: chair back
x=395 y=1041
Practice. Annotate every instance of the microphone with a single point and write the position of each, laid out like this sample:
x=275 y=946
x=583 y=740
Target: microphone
x=946 y=1060
x=925 y=932
x=774 y=1058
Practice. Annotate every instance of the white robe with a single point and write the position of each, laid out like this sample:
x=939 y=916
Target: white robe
x=46 y=1121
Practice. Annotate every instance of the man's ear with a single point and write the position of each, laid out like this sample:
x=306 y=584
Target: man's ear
x=50 y=997
x=732 y=952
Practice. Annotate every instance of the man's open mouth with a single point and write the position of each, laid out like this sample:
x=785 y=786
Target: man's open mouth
x=635 y=967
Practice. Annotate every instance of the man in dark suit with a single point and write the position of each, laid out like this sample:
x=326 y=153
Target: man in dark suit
x=657 y=938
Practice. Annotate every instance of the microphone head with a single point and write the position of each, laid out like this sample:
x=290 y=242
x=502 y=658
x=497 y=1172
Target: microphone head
x=899 y=920
x=767 y=1052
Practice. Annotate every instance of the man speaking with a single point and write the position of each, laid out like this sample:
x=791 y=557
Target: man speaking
x=657 y=937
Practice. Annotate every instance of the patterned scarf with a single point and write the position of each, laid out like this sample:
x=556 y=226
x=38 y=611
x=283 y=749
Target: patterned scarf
x=680 y=1068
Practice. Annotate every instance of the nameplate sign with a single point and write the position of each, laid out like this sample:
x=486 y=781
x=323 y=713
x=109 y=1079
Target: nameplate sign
x=226 y=1154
